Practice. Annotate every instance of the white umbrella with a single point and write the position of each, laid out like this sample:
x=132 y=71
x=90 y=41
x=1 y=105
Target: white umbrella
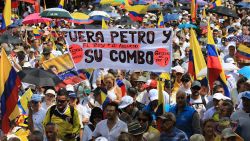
x=99 y=13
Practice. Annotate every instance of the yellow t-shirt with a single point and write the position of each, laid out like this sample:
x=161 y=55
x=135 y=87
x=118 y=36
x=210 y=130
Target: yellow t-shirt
x=64 y=127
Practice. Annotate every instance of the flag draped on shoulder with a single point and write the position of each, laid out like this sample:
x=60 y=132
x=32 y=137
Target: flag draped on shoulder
x=197 y=62
x=215 y=70
x=136 y=12
x=9 y=85
x=61 y=4
x=6 y=19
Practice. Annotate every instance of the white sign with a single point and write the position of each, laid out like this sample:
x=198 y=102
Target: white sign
x=143 y=49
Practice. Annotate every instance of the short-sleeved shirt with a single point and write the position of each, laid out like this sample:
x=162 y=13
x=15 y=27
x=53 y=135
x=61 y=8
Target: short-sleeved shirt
x=64 y=127
x=175 y=135
x=38 y=119
x=113 y=134
x=243 y=120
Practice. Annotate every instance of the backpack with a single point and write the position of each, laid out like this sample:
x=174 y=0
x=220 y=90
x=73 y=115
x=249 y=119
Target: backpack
x=53 y=111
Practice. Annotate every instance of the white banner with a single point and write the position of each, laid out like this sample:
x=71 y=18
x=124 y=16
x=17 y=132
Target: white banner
x=141 y=49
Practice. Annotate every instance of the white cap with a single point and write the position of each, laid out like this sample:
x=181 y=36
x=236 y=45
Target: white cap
x=50 y=91
x=101 y=139
x=178 y=69
x=218 y=96
x=70 y=88
x=125 y=101
x=153 y=94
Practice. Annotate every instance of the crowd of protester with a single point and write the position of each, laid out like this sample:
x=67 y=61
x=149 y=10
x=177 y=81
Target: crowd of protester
x=194 y=111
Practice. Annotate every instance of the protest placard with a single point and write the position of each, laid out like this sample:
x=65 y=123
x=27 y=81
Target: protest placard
x=143 y=49
x=64 y=69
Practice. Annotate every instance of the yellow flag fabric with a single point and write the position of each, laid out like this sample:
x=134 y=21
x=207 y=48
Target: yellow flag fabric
x=104 y=25
x=161 y=21
x=25 y=99
x=103 y=97
x=199 y=61
x=218 y=2
x=210 y=39
x=7 y=13
x=165 y=76
x=160 y=88
x=139 y=9
x=15 y=113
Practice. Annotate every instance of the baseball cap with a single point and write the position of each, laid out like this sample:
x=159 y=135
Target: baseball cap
x=142 y=79
x=50 y=91
x=36 y=98
x=178 y=69
x=70 y=88
x=153 y=94
x=246 y=94
x=151 y=83
x=196 y=84
x=228 y=132
x=72 y=95
x=125 y=101
x=218 y=96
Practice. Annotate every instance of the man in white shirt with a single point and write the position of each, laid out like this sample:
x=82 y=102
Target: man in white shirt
x=111 y=127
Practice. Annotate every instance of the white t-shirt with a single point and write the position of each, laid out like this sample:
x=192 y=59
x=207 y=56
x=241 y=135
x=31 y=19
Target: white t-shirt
x=198 y=106
x=113 y=134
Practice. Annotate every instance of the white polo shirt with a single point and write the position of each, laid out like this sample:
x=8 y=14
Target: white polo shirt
x=113 y=134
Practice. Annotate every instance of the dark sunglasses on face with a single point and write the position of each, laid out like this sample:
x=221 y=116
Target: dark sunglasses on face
x=34 y=102
x=143 y=120
x=61 y=101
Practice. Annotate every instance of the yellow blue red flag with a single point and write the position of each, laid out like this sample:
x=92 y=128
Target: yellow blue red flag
x=61 y=4
x=9 y=85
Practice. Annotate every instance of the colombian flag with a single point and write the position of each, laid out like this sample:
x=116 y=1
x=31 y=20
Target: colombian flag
x=216 y=3
x=104 y=99
x=122 y=86
x=198 y=61
x=9 y=84
x=136 y=12
x=215 y=70
x=36 y=32
x=61 y=4
x=191 y=70
x=243 y=52
x=6 y=20
x=161 y=21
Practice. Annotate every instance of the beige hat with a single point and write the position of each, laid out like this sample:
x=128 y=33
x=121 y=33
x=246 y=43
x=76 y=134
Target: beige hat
x=50 y=91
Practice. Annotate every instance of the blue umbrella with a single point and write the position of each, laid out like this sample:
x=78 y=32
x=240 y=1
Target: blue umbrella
x=154 y=7
x=187 y=25
x=245 y=71
x=243 y=4
x=171 y=17
x=99 y=18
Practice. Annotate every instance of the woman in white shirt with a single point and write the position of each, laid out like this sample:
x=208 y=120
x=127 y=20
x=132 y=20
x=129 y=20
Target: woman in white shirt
x=114 y=92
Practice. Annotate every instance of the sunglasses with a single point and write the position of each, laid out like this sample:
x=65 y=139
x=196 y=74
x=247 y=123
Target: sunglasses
x=61 y=101
x=142 y=119
x=34 y=102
